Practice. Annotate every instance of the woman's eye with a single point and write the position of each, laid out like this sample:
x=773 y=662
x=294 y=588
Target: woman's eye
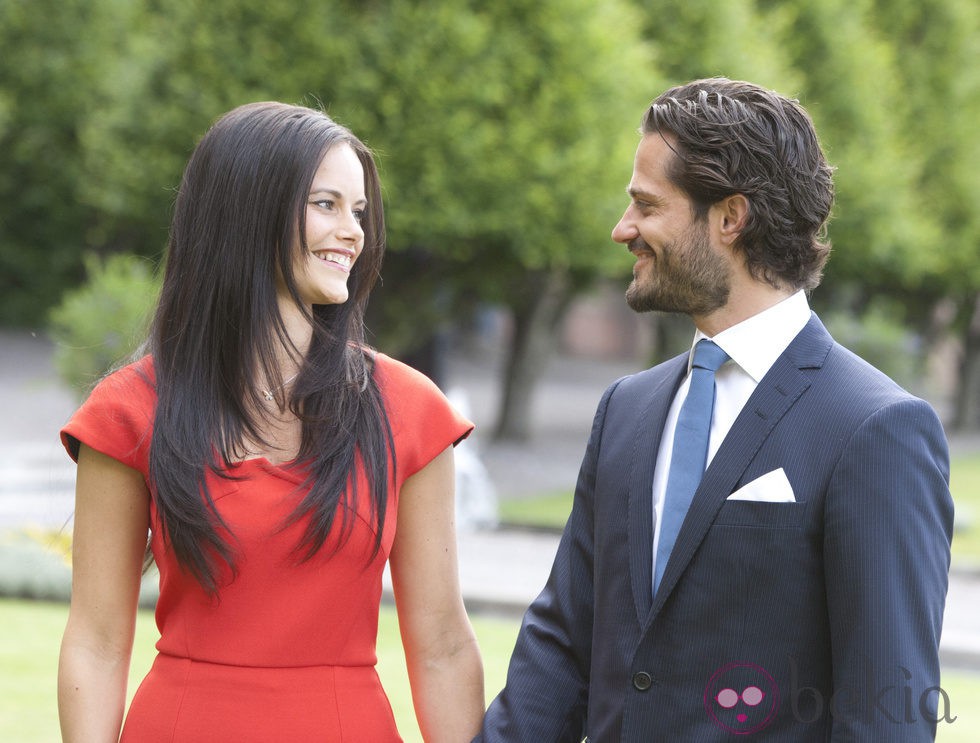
x=324 y=203
x=359 y=215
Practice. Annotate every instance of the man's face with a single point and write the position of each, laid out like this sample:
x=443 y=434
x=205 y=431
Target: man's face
x=677 y=268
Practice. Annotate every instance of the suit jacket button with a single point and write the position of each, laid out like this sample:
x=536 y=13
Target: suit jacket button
x=642 y=680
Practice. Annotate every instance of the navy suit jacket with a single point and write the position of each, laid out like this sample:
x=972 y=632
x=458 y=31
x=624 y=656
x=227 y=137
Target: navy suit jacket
x=811 y=620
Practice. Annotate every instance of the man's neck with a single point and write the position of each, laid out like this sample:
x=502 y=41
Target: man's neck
x=743 y=302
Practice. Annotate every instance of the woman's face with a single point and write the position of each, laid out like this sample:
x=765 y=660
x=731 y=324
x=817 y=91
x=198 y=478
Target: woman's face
x=334 y=237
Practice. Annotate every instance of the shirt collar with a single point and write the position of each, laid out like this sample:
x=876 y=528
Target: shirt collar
x=755 y=344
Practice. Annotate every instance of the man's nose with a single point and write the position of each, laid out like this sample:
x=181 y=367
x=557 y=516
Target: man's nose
x=625 y=230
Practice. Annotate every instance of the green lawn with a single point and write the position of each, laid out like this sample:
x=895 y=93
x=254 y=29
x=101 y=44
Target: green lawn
x=548 y=511
x=965 y=486
x=32 y=631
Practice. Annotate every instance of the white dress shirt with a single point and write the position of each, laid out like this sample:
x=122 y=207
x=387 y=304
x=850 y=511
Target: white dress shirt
x=753 y=346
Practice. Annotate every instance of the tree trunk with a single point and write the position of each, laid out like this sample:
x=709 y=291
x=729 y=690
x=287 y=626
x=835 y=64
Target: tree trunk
x=536 y=318
x=967 y=405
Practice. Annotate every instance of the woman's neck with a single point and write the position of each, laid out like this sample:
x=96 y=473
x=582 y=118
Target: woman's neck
x=299 y=332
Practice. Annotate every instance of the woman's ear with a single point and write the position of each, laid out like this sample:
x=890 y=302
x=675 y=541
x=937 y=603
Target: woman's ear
x=731 y=214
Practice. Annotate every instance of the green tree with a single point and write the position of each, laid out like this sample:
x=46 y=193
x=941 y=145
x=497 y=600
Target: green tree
x=895 y=96
x=937 y=46
x=506 y=132
x=103 y=322
x=705 y=38
x=185 y=63
x=495 y=125
x=852 y=90
x=55 y=72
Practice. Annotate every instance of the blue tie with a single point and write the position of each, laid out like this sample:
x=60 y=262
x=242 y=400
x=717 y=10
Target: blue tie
x=690 y=452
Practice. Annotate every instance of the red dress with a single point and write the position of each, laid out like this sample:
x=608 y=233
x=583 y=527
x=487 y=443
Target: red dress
x=287 y=650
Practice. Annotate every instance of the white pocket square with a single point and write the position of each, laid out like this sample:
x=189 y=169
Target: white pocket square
x=772 y=487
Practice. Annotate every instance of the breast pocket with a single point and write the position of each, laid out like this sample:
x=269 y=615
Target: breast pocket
x=761 y=515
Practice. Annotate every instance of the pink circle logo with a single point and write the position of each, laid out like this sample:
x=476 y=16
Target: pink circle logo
x=741 y=698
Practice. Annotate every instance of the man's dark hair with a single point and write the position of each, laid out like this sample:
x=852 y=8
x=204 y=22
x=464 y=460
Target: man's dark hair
x=733 y=137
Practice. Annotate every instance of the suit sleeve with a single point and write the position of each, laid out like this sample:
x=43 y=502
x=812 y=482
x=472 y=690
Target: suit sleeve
x=889 y=517
x=546 y=694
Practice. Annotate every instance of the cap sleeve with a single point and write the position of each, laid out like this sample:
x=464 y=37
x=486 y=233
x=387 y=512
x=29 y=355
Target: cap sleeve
x=423 y=421
x=117 y=417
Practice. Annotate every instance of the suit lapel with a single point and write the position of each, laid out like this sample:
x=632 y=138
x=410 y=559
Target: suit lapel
x=643 y=459
x=778 y=391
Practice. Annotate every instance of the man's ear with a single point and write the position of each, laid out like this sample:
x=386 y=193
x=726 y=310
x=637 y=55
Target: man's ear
x=731 y=214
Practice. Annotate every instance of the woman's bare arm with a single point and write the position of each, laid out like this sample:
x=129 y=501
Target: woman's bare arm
x=111 y=523
x=444 y=664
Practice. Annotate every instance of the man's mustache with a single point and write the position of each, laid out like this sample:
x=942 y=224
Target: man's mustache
x=638 y=244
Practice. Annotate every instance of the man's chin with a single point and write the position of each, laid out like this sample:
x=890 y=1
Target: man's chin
x=639 y=301
x=642 y=299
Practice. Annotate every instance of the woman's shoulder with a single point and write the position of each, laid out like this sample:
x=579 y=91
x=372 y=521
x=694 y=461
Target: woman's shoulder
x=130 y=389
x=423 y=420
x=409 y=392
x=136 y=377
x=393 y=374
x=117 y=416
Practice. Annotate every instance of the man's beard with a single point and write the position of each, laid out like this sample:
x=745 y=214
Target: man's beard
x=686 y=276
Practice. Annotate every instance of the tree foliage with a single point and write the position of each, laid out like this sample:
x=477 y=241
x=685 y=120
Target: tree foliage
x=940 y=46
x=852 y=89
x=104 y=321
x=53 y=78
x=504 y=131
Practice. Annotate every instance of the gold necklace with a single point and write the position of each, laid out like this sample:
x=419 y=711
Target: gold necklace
x=270 y=395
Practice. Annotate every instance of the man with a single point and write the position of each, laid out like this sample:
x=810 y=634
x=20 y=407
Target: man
x=796 y=591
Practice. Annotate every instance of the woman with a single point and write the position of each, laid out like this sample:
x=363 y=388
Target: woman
x=270 y=456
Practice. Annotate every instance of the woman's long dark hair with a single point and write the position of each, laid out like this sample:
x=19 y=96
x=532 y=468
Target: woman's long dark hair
x=217 y=330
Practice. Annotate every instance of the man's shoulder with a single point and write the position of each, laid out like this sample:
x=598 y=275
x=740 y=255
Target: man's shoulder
x=848 y=371
x=841 y=370
x=852 y=389
x=662 y=377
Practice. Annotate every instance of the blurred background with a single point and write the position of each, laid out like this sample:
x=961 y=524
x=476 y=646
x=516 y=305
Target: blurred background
x=505 y=134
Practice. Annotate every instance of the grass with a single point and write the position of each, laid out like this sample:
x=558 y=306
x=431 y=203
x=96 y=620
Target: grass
x=32 y=632
x=29 y=659
x=550 y=511
x=965 y=486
